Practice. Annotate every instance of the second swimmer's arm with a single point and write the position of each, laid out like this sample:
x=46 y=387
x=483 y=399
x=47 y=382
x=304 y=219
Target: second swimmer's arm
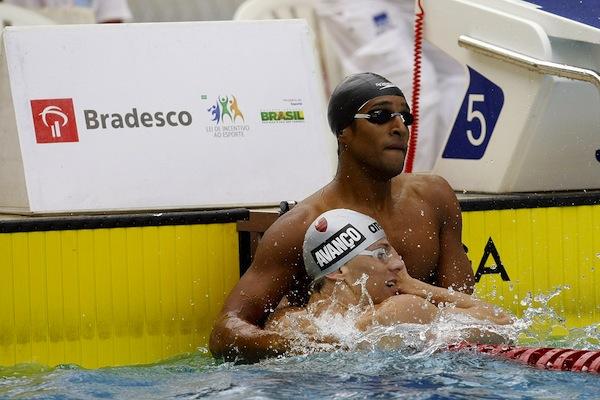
x=234 y=339
x=238 y=332
x=464 y=303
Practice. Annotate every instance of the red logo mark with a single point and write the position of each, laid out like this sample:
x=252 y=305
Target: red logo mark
x=54 y=121
x=321 y=225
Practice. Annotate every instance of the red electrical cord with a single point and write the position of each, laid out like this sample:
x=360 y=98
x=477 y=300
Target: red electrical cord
x=416 y=89
x=541 y=357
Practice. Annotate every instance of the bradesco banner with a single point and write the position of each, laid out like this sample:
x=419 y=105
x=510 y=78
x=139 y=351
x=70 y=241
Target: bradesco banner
x=146 y=116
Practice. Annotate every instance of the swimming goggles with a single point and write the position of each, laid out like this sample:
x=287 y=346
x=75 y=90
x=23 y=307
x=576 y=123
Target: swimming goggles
x=381 y=117
x=381 y=254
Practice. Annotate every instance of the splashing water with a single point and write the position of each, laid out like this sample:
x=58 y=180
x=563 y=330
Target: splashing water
x=328 y=330
x=539 y=318
x=335 y=330
x=332 y=329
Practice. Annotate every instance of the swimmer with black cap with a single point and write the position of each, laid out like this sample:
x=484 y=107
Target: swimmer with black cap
x=346 y=253
x=420 y=213
x=370 y=117
x=352 y=95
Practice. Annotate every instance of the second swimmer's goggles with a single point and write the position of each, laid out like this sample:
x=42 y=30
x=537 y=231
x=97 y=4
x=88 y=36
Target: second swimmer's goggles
x=381 y=117
x=381 y=254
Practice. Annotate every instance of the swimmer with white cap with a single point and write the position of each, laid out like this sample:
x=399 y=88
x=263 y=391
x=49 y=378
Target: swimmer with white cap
x=369 y=117
x=342 y=246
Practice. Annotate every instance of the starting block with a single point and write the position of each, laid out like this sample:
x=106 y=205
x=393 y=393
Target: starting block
x=530 y=119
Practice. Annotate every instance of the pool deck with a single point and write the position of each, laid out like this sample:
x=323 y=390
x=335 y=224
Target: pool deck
x=27 y=223
x=259 y=218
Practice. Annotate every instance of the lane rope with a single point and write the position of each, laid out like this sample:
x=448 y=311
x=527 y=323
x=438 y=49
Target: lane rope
x=540 y=357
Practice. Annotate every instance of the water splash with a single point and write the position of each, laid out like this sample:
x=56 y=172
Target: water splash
x=539 y=318
x=329 y=326
x=335 y=330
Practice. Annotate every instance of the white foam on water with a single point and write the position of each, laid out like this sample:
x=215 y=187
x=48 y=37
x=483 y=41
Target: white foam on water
x=335 y=330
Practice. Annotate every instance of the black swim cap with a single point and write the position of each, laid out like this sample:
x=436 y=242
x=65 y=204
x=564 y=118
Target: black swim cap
x=352 y=93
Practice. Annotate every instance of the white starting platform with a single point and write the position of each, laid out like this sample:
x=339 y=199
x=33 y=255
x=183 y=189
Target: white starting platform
x=121 y=117
x=530 y=117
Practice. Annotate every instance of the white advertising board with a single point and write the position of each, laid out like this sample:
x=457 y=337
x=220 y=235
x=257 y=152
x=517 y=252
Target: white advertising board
x=161 y=116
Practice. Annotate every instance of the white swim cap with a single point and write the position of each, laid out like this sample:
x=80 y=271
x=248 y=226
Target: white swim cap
x=336 y=237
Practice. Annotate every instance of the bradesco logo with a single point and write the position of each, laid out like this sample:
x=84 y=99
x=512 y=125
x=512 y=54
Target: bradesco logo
x=282 y=116
x=135 y=119
x=337 y=246
x=54 y=121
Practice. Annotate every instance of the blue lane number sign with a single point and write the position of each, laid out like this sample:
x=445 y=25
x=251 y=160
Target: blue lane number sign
x=476 y=119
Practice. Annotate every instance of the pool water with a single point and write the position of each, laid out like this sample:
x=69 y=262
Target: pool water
x=404 y=361
x=352 y=375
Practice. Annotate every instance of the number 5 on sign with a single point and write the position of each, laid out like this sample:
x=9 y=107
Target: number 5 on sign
x=478 y=115
x=476 y=119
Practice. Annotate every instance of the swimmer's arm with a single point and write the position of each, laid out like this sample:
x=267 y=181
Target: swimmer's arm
x=463 y=303
x=238 y=333
x=297 y=324
x=235 y=339
x=406 y=308
x=454 y=268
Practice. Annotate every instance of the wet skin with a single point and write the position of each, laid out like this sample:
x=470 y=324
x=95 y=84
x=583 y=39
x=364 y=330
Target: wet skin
x=419 y=213
x=396 y=298
x=382 y=273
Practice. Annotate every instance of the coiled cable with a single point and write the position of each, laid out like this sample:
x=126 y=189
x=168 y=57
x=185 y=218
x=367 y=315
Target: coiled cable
x=416 y=89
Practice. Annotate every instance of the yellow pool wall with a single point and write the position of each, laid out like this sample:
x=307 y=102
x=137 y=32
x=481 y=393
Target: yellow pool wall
x=541 y=249
x=107 y=297
x=137 y=295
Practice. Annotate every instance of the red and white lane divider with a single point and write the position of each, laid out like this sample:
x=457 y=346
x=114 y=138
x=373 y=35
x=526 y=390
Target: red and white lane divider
x=541 y=357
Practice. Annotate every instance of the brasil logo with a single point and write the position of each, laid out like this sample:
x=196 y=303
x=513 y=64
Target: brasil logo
x=282 y=116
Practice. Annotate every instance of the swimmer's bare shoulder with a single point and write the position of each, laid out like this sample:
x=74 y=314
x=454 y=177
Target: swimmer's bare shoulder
x=427 y=187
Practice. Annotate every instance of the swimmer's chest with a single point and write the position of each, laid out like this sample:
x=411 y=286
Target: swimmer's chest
x=415 y=236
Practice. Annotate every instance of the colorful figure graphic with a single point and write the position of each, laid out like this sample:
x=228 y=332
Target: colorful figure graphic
x=224 y=109
x=225 y=105
x=233 y=105
x=216 y=112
